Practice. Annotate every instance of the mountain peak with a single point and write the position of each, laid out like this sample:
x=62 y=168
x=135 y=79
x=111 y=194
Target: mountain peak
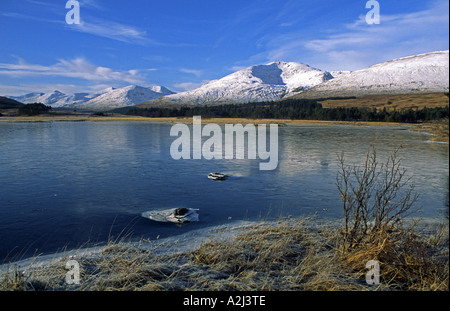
x=126 y=96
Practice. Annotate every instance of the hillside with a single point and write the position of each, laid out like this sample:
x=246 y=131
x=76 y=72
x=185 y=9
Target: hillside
x=8 y=103
x=418 y=74
x=393 y=101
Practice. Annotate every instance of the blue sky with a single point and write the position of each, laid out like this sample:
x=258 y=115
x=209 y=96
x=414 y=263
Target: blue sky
x=182 y=44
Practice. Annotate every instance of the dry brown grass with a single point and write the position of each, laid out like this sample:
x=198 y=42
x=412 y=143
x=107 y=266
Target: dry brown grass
x=408 y=260
x=439 y=130
x=398 y=102
x=82 y=118
x=286 y=255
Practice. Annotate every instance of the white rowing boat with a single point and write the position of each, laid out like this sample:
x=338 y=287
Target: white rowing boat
x=175 y=215
x=217 y=176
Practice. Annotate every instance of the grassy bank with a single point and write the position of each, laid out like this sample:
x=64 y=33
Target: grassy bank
x=290 y=254
x=393 y=101
x=439 y=129
x=87 y=117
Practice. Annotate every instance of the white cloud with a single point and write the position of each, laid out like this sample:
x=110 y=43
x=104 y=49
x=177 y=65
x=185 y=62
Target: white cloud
x=187 y=86
x=237 y=68
x=21 y=89
x=95 y=26
x=357 y=45
x=74 y=68
x=90 y=4
x=112 y=30
x=195 y=72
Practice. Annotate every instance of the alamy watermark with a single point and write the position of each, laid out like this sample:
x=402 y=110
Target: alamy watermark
x=373 y=16
x=373 y=275
x=73 y=275
x=220 y=146
x=73 y=16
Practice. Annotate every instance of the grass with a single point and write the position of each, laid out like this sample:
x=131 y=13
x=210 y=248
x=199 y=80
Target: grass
x=290 y=254
x=394 y=101
x=88 y=117
x=439 y=129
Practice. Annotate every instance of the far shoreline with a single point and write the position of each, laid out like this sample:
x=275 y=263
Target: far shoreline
x=56 y=117
x=432 y=128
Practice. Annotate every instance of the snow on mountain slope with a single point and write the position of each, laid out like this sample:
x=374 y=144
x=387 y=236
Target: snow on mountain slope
x=336 y=74
x=424 y=73
x=54 y=99
x=126 y=96
x=58 y=99
x=256 y=83
x=104 y=99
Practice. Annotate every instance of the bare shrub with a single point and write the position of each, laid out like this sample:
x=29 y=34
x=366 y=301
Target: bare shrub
x=375 y=197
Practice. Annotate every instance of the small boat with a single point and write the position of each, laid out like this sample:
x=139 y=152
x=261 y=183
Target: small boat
x=176 y=215
x=217 y=176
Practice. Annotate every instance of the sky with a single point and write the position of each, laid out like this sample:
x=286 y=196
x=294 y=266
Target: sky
x=182 y=44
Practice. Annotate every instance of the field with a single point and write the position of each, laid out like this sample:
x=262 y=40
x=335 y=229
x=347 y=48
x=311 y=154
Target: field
x=399 y=102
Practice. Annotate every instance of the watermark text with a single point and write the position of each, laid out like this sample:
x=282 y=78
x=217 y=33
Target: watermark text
x=373 y=275
x=73 y=275
x=73 y=16
x=234 y=146
x=373 y=16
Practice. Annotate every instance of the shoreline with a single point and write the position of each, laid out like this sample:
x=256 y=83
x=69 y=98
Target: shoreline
x=438 y=130
x=173 y=244
x=204 y=259
x=92 y=118
x=187 y=241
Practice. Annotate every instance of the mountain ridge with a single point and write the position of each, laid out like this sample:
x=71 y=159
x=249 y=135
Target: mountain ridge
x=421 y=73
x=252 y=84
x=123 y=97
x=101 y=100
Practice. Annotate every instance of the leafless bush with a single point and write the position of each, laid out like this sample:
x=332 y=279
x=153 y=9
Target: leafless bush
x=375 y=197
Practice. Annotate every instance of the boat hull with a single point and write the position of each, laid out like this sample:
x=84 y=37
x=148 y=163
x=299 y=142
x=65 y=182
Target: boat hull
x=169 y=215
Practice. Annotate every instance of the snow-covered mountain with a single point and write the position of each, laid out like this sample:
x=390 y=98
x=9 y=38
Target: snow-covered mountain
x=256 y=83
x=423 y=73
x=58 y=99
x=101 y=100
x=54 y=99
x=122 y=97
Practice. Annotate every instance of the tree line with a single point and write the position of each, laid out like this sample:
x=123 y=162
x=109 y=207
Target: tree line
x=295 y=109
x=33 y=109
